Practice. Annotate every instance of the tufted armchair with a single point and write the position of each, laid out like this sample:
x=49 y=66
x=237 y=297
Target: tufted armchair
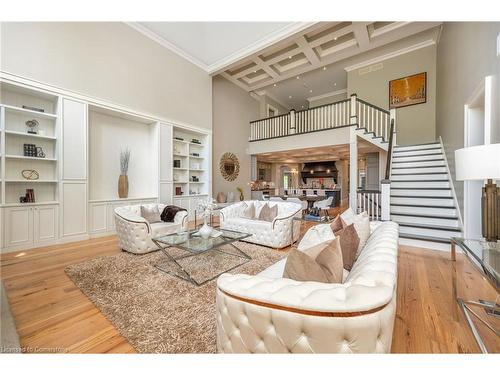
x=277 y=234
x=266 y=313
x=135 y=233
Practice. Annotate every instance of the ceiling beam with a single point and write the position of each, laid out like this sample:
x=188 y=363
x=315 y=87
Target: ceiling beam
x=307 y=50
x=361 y=34
x=265 y=67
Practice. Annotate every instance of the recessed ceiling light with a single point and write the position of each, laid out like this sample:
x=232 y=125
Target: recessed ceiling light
x=324 y=68
x=298 y=77
x=335 y=83
x=335 y=38
x=274 y=85
x=302 y=106
x=289 y=57
x=255 y=71
x=290 y=97
x=310 y=90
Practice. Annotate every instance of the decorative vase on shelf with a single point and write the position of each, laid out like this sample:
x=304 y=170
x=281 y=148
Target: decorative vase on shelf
x=123 y=186
x=123 y=179
x=206 y=230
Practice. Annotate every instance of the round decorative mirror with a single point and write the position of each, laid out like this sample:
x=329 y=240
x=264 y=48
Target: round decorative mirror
x=229 y=166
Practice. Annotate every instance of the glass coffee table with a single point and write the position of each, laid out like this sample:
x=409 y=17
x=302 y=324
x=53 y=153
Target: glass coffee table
x=181 y=249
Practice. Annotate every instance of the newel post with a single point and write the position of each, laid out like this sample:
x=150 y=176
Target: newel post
x=292 y=121
x=385 y=192
x=354 y=111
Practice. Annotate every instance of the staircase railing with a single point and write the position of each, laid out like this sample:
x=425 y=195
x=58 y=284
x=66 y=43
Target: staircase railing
x=370 y=201
x=346 y=112
x=385 y=185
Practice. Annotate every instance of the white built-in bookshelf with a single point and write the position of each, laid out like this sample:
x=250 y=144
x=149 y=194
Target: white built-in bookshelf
x=15 y=135
x=190 y=164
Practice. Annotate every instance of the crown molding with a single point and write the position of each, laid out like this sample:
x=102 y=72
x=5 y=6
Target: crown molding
x=390 y=55
x=326 y=95
x=165 y=43
x=220 y=64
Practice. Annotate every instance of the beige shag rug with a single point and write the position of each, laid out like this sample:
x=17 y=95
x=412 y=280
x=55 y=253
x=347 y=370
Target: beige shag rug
x=157 y=312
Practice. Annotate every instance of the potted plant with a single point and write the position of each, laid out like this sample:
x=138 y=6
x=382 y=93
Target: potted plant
x=123 y=179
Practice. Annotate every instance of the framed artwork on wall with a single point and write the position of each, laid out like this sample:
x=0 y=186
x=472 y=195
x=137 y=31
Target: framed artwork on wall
x=408 y=90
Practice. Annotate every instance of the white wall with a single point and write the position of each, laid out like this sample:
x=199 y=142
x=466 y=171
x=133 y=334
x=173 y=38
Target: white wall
x=233 y=109
x=112 y=62
x=416 y=123
x=109 y=135
x=466 y=54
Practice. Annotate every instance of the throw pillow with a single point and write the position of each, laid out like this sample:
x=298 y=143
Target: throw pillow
x=349 y=243
x=169 y=213
x=151 y=214
x=248 y=211
x=336 y=224
x=316 y=235
x=347 y=217
x=268 y=213
x=322 y=263
x=362 y=225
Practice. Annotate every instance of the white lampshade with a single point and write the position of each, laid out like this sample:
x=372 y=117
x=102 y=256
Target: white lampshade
x=478 y=162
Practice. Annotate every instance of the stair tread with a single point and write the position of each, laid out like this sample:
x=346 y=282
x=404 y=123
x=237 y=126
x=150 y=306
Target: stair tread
x=426 y=216
x=418 y=205
x=420 y=180
x=417 y=174
x=418 y=161
x=421 y=196
x=420 y=166
x=424 y=238
x=419 y=188
x=415 y=156
x=427 y=226
x=419 y=144
x=419 y=149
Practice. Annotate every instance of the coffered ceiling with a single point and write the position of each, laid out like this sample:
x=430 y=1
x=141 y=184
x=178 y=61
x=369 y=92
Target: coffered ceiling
x=315 y=47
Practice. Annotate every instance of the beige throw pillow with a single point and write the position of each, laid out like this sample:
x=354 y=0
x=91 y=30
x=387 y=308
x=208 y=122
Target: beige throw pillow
x=362 y=225
x=248 y=211
x=151 y=214
x=268 y=213
x=322 y=263
x=349 y=243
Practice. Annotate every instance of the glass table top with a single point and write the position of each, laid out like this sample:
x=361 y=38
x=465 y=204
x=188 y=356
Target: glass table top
x=196 y=244
x=487 y=254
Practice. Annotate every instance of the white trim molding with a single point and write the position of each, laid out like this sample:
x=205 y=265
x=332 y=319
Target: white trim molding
x=327 y=95
x=390 y=55
x=222 y=63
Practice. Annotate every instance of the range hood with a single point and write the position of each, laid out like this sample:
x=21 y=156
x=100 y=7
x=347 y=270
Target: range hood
x=325 y=169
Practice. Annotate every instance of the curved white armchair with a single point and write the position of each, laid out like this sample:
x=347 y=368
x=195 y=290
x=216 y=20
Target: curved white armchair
x=324 y=204
x=135 y=233
x=266 y=313
x=277 y=234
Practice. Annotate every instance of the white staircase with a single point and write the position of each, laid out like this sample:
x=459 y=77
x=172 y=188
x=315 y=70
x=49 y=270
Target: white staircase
x=422 y=199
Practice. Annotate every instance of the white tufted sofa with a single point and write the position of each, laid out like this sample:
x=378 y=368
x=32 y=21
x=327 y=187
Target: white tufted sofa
x=135 y=233
x=275 y=234
x=266 y=313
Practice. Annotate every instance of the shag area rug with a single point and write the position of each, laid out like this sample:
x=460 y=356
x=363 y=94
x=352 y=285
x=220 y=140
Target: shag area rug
x=157 y=312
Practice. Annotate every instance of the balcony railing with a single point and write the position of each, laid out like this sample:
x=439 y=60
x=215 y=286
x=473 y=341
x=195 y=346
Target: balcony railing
x=346 y=112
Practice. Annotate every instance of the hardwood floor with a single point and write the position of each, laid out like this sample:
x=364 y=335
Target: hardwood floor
x=51 y=313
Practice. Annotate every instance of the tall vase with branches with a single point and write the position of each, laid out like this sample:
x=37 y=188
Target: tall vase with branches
x=123 y=179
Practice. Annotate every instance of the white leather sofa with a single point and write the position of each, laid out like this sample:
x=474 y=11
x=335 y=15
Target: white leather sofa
x=135 y=233
x=266 y=313
x=277 y=234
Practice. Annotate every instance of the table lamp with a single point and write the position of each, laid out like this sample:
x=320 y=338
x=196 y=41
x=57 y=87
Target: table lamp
x=483 y=163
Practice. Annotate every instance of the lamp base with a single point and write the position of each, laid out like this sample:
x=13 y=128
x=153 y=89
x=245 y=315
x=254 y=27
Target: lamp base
x=490 y=212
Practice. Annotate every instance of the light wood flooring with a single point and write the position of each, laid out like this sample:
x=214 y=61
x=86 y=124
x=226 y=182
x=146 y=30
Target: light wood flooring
x=53 y=314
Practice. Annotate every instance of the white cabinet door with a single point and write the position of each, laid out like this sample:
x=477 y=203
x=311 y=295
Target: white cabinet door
x=74 y=208
x=98 y=217
x=18 y=226
x=45 y=226
x=74 y=140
